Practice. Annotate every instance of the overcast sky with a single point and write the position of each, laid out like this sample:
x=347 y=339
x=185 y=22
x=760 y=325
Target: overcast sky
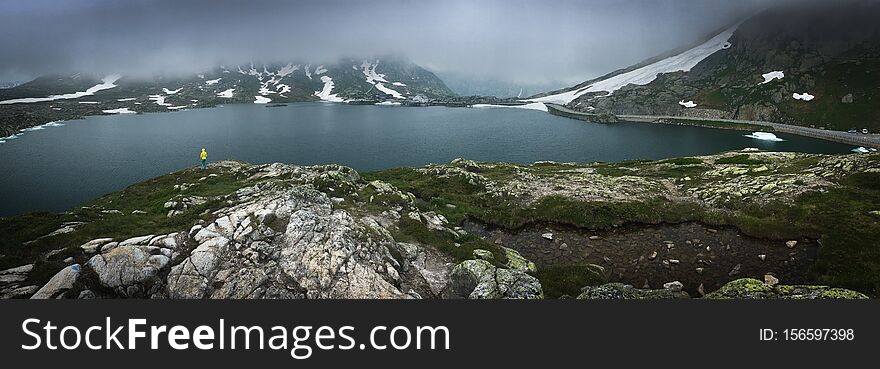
x=513 y=40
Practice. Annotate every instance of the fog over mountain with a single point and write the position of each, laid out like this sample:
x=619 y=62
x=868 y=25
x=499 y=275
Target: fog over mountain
x=518 y=43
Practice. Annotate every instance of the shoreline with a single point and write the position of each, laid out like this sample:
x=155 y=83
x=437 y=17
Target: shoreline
x=858 y=139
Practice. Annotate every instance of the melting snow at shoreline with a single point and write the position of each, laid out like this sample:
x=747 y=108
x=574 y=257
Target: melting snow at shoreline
x=119 y=111
x=644 y=75
x=106 y=83
x=261 y=100
x=326 y=93
x=765 y=136
x=531 y=106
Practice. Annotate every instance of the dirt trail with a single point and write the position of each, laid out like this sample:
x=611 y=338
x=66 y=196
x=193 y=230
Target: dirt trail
x=649 y=256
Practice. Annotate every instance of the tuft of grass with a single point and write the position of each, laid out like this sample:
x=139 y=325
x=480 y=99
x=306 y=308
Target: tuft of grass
x=568 y=280
x=742 y=159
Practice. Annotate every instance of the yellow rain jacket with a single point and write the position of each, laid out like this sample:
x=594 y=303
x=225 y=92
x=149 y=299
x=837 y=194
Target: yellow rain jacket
x=204 y=155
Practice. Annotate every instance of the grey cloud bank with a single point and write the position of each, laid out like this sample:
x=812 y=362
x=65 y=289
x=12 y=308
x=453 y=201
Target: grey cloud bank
x=526 y=42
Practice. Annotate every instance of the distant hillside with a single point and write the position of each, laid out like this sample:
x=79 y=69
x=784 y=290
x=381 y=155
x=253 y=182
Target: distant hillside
x=821 y=62
x=51 y=98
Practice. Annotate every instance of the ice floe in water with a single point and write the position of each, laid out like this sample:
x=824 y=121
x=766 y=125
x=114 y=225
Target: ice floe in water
x=261 y=100
x=531 y=106
x=777 y=74
x=227 y=93
x=804 y=96
x=687 y=104
x=106 y=83
x=764 y=136
x=119 y=111
x=863 y=150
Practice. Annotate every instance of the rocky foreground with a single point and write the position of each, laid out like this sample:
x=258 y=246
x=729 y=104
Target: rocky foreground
x=285 y=231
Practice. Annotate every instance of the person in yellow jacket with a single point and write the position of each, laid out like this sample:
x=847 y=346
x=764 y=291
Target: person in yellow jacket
x=204 y=157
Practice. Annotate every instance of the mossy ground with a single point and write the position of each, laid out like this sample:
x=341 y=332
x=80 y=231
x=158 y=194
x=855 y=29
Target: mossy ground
x=838 y=217
x=149 y=196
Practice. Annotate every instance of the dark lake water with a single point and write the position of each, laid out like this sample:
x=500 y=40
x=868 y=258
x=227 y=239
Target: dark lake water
x=58 y=168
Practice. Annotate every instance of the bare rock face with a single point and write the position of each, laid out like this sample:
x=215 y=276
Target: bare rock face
x=61 y=282
x=479 y=279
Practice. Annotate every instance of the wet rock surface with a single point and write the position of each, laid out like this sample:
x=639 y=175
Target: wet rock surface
x=648 y=256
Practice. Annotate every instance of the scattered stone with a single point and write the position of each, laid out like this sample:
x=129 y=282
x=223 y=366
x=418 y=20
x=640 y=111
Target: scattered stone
x=673 y=286
x=594 y=238
x=547 y=236
x=847 y=99
x=653 y=255
x=762 y=257
x=483 y=255
x=700 y=270
x=770 y=280
x=563 y=246
x=735 y=270
x=791 y=244
x=674 y=261
x=701 y=290
x=94 y=245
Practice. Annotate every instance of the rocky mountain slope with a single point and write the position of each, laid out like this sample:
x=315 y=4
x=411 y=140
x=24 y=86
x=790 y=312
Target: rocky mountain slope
x=53 y=98
x=673 y=228
x=805 y=63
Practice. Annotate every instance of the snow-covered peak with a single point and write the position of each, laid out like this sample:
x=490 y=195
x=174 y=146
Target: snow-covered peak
x=641 y=76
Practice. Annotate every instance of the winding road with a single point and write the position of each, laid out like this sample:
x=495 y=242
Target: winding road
x=869 y=140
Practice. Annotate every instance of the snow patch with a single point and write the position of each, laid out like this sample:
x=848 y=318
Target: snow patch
x=226 y=93
x=212 y=81
x=644 y=75
x=804 y=96
x=107 y=82
x=320 y=70
x=88 y=102
x=127 y=99
x=326 y=93
x=777 y=74
x=687 y=104
x=159 y=99
x=369 y=70
x=388 y=103
x=388 y=91
x=261 y=100
x=119 y=111
x=531 y=106
x=399 y=84
x=764 y=136
x=177 y=107
x=171 y=92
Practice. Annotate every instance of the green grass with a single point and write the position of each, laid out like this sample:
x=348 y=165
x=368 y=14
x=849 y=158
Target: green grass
x=743 y=159
x=149 y=196
x=568 y=280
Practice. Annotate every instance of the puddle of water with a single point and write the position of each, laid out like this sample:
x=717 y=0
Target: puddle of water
x=691 y=253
